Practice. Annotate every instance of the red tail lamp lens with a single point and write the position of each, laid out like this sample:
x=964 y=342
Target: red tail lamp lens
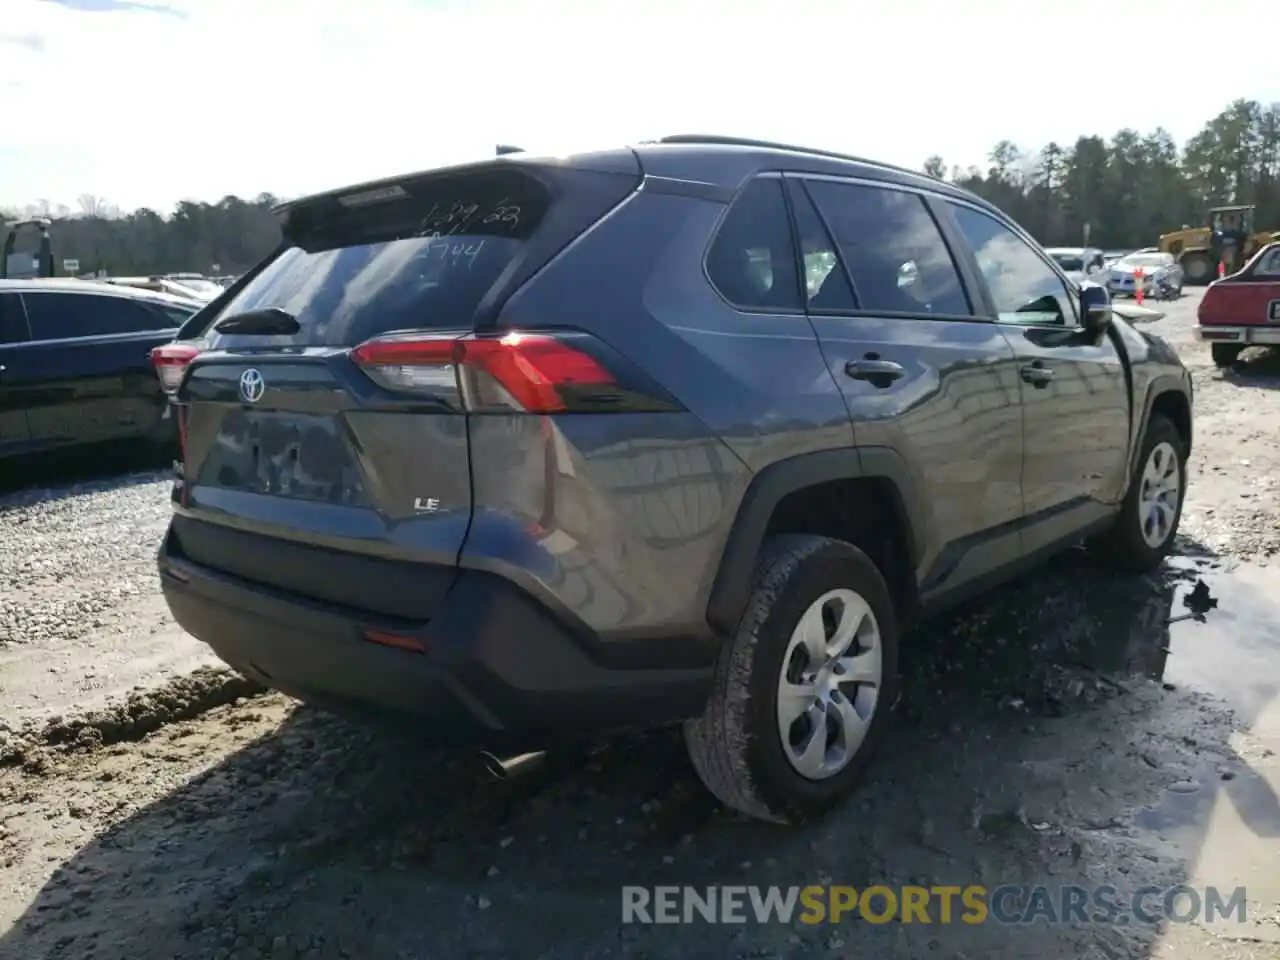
x=171 y=361
x=532 y=369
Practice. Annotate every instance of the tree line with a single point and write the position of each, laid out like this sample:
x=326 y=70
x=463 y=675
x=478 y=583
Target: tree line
x=215 y=239
x=1124 y=190
x=1129 y=189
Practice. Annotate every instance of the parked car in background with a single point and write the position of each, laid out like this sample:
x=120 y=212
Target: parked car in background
x=690 y=431
x=1243 y=309
x=203 y=287
x=177 y=288
x=1111 y=256
x=1078 y=263
x=74 y=367
x=1161 y=275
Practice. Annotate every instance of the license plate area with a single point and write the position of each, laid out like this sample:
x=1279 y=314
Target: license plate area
x=301 y=456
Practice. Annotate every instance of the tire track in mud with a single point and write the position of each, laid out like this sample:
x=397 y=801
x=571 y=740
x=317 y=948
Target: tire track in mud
x=141 y=713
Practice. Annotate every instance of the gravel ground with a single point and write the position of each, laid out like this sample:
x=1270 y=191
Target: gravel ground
x=81 y=617
x=1062 y=735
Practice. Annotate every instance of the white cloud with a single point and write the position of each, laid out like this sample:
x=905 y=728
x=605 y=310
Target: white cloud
x=241 y=96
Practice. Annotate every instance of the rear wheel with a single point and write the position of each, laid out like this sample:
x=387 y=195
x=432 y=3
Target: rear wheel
x=1143 y=534
x=1198 y=268
x=1225 y=354
x=803 y=689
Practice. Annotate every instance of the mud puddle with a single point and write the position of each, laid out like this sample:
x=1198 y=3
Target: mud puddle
x=1235 y=653
x=1222 y=816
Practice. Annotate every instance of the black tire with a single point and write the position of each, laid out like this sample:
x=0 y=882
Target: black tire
x=1124 y=545
x=1198 y=269
x=1225 y=354
x=736 y=746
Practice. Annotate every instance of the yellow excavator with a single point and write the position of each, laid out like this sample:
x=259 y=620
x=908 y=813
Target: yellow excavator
x=1229 y=239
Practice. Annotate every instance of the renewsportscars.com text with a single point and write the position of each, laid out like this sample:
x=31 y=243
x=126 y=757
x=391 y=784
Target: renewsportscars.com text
x=973 y=904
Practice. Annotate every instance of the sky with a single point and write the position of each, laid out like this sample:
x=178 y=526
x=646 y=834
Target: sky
x=147 y=102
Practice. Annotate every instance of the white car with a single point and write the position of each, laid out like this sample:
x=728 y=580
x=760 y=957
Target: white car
x=1078 y=263
x=1161 y=275
x=164 y=285
x=202 y=287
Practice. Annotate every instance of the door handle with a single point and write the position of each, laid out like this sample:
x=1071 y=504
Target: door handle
x=1036 y=374
x=880 y=373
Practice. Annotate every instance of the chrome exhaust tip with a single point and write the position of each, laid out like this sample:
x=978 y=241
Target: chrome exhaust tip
x=512 y=766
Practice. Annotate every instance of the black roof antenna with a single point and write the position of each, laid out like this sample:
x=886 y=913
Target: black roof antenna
x=504 y=149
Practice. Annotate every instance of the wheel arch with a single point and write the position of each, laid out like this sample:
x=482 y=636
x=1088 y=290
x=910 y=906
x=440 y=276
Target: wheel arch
x=770 y=487
x=1168 y=396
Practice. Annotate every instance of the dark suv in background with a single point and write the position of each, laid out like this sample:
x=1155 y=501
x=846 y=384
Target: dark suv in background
x=685 y=432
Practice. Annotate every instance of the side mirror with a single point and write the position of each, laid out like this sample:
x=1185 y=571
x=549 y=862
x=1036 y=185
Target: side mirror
x=1095 y=307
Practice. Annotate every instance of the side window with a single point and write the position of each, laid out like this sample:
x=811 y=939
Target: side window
x=121 y=315
x=892 y=248
x=1023 y=286
x=51 y=315
x=13 y=325
x=163 y=315
x=826 y=285
x=58 y=316
x=177 y=317
x=752 y=261
x=1269 y=265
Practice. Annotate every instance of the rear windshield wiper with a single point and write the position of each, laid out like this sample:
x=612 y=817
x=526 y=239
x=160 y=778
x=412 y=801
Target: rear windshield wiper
x=271 y=322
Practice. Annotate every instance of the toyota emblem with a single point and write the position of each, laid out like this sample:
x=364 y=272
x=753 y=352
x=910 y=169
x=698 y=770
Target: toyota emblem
x=252 y=386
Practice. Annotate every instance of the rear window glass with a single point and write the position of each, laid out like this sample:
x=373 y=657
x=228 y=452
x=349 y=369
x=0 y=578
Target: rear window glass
x=416 y=255
x=173 y=313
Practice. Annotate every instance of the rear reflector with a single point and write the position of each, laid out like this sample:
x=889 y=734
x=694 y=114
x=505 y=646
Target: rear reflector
x=384 y=639
x=171 y=361
x=529 y=372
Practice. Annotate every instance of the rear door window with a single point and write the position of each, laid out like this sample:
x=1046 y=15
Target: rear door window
x=413 y=256
x=826 y=283
x=892 y=248
x=65 y=316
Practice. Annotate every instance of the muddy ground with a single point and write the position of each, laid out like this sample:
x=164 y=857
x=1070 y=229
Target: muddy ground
x=1058 y=733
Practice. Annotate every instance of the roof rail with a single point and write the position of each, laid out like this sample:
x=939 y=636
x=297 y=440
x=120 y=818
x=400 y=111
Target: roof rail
x=714 y=139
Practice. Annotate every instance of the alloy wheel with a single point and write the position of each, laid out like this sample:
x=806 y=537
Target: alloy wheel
x=831 y=677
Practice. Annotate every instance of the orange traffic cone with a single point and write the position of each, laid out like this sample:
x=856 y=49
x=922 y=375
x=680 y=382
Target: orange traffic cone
x=1222 y=269
x=1138 y=292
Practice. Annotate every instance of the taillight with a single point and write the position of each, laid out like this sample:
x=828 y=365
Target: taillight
x=171 y=361
x=528 y=372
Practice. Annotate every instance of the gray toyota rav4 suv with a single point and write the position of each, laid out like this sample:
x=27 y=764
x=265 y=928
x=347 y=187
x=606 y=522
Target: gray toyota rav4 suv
x=690 y=432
